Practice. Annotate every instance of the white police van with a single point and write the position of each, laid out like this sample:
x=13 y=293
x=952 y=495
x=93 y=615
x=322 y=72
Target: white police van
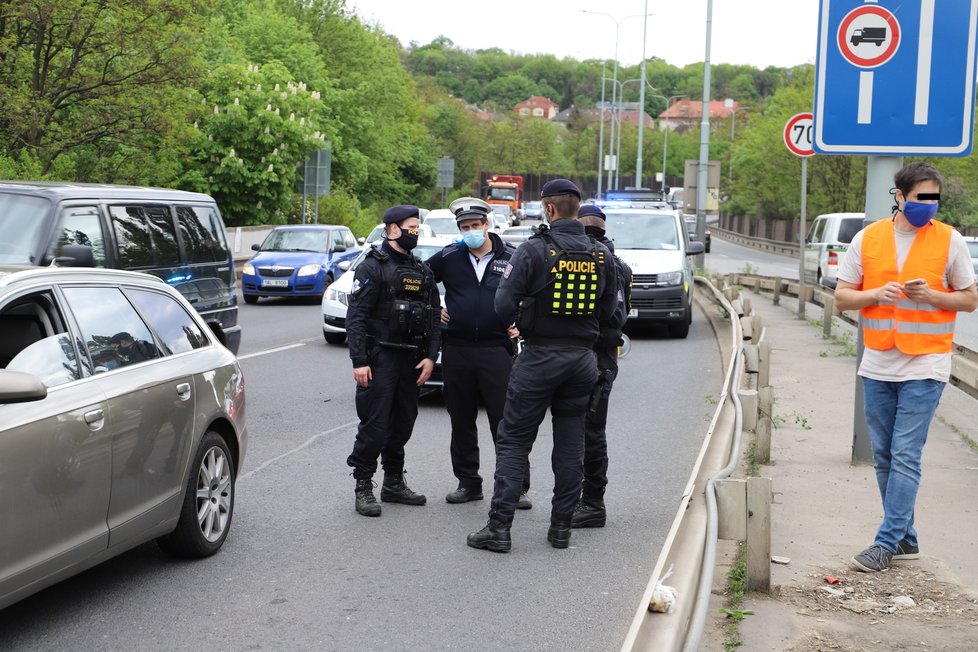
x=651 y=237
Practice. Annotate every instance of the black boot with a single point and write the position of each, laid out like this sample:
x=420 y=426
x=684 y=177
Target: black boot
x=560 y=531
x=395 y=490
x=366 y=504
x=494 y=536
x=589 y=513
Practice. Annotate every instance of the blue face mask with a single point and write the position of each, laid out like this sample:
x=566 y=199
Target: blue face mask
x=474 y=239
x=919 y=214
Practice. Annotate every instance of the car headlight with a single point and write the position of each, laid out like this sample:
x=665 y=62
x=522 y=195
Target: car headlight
x=336 y=295
x=309 y=270
x=669 y=278
x=248 y=269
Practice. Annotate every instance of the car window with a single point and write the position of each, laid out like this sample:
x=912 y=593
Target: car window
x=145 y=236
x=297 y=240
x=347 y=239
x=643 y=231
x=22 y=220
x=849 y=227
x=51 y=360
x=80 y=225
x=179 y=332
x=973 y=248
x=114 y=332
x=202 y=234
x=818 y=229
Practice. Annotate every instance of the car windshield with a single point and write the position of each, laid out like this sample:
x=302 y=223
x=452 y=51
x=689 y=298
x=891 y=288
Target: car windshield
x=21 y=223
x=642 y=231
x=507 y=194
x=973 y=248
x=316 y=240
x=502 y=209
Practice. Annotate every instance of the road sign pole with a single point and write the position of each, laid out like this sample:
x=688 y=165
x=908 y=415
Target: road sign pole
x=879 y=205
x=801 y=238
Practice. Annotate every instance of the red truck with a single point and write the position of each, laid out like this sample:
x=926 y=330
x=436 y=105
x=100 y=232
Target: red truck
x=506 y=189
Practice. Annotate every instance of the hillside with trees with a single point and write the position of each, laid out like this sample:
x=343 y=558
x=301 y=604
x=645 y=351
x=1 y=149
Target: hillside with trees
x=229 y=97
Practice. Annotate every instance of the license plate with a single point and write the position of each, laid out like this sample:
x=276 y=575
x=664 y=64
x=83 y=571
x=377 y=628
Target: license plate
x=274 y=283
x=633 y=313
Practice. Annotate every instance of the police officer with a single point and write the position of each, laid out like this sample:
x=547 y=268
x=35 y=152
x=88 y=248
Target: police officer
x=477 y=351
x=560 y=288
x=391 y=326
x=590 y=510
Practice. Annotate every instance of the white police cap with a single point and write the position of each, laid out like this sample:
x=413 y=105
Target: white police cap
x=468 y=208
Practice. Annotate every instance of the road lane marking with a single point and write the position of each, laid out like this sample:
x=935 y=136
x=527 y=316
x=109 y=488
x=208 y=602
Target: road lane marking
x=275 y=350
x=305 y=444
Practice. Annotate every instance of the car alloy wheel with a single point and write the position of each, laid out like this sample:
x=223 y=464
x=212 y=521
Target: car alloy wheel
x=208 y=502
x=214 y=494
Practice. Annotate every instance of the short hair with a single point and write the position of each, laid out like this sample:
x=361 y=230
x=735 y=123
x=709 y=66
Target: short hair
x=565 y=205
x=910 y=175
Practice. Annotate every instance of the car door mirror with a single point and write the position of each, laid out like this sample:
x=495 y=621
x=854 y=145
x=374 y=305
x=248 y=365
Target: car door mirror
x=19 y=387
x=695 y=248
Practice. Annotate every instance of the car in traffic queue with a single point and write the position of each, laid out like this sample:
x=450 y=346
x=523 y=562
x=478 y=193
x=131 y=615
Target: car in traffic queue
x=297 y=261
x=651 y=237
x=511 y=218
x=517 y=235
x=690 y=221
x=827 y=241
x=336 y=300
x=122 y=420
x=442 y=223
x=175 y=235
x=533 y=210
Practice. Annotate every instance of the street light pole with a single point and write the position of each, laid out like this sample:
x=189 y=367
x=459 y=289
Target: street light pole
x=614 y=89
x=641 y=102
x=665 y=140
x=601 y=130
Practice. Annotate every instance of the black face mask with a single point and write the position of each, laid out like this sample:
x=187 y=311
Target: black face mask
x=595 y=232
x=408 y=239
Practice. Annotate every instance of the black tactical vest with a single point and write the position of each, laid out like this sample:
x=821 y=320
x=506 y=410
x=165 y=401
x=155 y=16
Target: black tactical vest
x=404 y=305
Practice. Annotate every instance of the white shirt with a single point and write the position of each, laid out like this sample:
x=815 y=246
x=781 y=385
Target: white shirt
x=481 y=264
x=893 y=365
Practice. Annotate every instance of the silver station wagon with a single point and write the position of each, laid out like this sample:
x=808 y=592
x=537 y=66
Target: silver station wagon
x=122 y=420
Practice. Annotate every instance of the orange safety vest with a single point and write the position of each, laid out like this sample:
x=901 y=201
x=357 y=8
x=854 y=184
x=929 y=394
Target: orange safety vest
x=914 y=328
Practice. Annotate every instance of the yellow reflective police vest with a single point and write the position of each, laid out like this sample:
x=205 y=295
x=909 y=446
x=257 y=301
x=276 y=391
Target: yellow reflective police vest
x=574 y=280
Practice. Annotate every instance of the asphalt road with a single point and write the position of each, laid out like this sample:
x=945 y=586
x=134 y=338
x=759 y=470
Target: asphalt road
x=301 y=570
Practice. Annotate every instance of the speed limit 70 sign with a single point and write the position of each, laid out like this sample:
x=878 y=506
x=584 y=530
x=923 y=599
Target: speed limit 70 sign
x=798 y=135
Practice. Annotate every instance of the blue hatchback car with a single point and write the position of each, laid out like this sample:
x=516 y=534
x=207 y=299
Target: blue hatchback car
x=297 y=261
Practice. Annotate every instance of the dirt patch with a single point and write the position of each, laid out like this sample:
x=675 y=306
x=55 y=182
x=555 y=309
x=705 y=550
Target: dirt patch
x=904 y=608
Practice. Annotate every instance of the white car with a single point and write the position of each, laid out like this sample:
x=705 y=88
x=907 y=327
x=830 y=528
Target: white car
x=336 y=297
x=424 y=231
x=442 y=222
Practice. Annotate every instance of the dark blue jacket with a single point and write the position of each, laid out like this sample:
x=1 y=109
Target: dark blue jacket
x=471 y=303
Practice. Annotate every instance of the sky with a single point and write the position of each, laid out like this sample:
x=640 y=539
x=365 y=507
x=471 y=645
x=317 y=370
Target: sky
x=760 y=33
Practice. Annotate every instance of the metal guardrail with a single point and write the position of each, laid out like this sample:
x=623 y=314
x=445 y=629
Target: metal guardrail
x=776 y=246
x=964 y=361
x=688 y=553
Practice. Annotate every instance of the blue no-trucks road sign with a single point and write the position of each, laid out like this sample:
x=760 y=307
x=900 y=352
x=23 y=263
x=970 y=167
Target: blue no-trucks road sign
x=896 y=78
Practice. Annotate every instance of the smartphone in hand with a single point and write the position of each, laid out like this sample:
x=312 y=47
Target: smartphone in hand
x=915 y=282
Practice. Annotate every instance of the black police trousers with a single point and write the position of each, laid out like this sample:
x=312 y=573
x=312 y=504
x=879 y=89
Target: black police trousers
x=560 y=378
x=474 y=373
x=387 y=408
x=595 y=435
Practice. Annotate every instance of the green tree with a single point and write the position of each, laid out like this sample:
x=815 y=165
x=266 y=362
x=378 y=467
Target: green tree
x=93 y=89
x=256 y=125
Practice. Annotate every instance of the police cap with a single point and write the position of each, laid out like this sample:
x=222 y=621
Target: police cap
x=592 y=210
x=470 y=208
x=560 y=187
x=396 y=214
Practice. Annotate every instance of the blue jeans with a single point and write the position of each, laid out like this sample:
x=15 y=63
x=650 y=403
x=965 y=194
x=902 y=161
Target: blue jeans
x=898 y=415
